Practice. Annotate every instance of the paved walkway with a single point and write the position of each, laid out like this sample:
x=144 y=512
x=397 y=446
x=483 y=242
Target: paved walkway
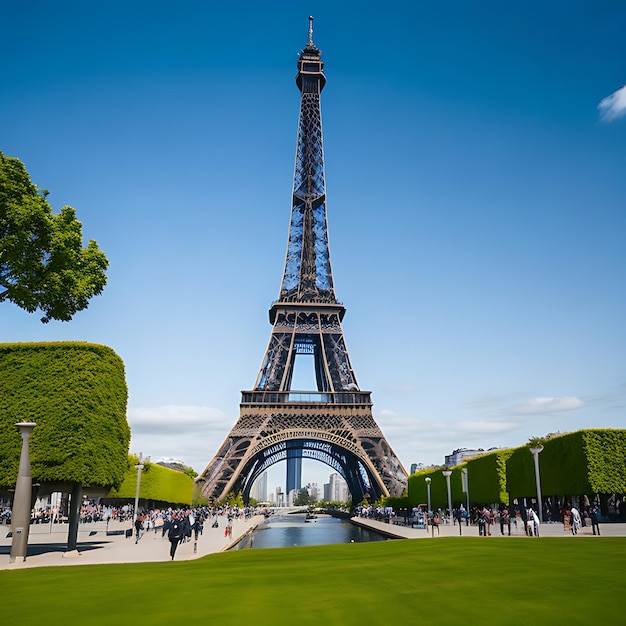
x=446 y=530
x=47 y=546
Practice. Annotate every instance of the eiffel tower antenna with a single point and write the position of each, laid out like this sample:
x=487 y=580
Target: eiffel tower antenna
x=332 y=423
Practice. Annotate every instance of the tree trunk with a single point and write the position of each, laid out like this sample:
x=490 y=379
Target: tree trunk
x=75 y=504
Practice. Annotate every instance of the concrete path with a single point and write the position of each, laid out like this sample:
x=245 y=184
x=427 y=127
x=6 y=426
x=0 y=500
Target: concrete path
x=47 y=546
x=446 y=530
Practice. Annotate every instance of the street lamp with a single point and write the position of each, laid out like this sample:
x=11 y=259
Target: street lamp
x=535 y=452
x=447 y=474
x=138 y=467
x=427 y=480
x=466 y=487
x=21 y=509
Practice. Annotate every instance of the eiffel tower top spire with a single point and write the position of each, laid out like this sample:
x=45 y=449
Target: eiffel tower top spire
x=308 y=275
x=310 y=48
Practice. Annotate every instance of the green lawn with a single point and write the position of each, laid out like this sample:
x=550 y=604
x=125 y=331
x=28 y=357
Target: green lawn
x=443 y=581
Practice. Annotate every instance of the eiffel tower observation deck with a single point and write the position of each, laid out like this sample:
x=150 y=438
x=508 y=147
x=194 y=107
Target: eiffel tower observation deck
x=331 y=423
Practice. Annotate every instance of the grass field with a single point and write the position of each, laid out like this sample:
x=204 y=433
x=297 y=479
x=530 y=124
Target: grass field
x=447 y=581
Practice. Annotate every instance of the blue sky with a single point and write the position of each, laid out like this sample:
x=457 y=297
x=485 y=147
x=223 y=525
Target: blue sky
x=476 y=204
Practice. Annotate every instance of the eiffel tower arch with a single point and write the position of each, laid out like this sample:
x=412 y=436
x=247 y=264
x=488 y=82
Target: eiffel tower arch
x=333 y=423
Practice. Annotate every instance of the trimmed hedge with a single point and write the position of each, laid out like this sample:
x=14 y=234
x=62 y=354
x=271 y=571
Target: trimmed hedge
x=418 y=491
x=606 y=460
x=486 y=478
x=158 y=483
x=76 y=393
x=583 y=462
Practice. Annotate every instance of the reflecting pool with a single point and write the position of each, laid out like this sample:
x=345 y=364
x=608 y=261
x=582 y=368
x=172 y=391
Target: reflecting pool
x=284 y=531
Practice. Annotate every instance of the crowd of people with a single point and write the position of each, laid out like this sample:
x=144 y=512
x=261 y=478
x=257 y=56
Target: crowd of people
x=179 y=525
x=523 y=520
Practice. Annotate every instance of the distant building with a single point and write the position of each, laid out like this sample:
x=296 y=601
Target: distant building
x=327 y=497
x=462 y=454
x=336 y=490
x=259 y=489
x=314 y=491
x=277 y=498
x=291 y=496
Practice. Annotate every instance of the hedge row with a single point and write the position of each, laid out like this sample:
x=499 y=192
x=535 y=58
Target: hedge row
x=76 y=393
x=583 y=462
x=157 y=483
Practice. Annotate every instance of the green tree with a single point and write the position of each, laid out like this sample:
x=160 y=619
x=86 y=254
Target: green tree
x=235 y=499
x=42 y=262
x=303 y=498
x=189 y=471
x=76 y=393
x=536 y=442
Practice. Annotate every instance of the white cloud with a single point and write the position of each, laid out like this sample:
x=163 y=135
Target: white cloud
x=613 y=106
x=192 y=434
x=548 y=405
x=428 y=441
x=173 y=418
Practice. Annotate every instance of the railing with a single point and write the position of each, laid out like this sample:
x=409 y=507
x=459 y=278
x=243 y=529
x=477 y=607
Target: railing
x=305 y=397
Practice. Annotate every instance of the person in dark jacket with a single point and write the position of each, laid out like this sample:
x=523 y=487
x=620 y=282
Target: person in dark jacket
x=186 y=524
x=175 y=534
x=198 y=526
x=138 y=527
x=595 y=519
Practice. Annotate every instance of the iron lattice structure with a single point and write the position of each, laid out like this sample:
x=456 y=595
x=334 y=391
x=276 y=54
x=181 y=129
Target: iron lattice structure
x=332 y=424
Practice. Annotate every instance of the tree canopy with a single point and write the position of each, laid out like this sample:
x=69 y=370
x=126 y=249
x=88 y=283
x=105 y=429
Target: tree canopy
x=303 y=498
x=42 y=262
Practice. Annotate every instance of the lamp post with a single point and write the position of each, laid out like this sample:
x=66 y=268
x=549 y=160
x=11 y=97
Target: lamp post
x=466 y=487
x=447 y=474
x=138 y=467
x=535 y=452
x=20 y=512
x=427 y=480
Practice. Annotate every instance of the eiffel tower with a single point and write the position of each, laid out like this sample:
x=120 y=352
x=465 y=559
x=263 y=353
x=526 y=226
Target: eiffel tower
x=332 y=424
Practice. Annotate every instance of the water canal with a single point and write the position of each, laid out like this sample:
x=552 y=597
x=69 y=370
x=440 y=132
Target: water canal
x=284 y=531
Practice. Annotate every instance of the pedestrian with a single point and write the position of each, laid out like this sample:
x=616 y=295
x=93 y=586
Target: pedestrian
x=482 y=524
x=198 y=526
x=464 y=514
x=505 y=520
x=138 y=527
x=435 y=523
x=595 y=519
x=167 y=524
x=175 y=534
x=186 y=527
x=533 y=523
x=575 y=520
x=489 y=519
